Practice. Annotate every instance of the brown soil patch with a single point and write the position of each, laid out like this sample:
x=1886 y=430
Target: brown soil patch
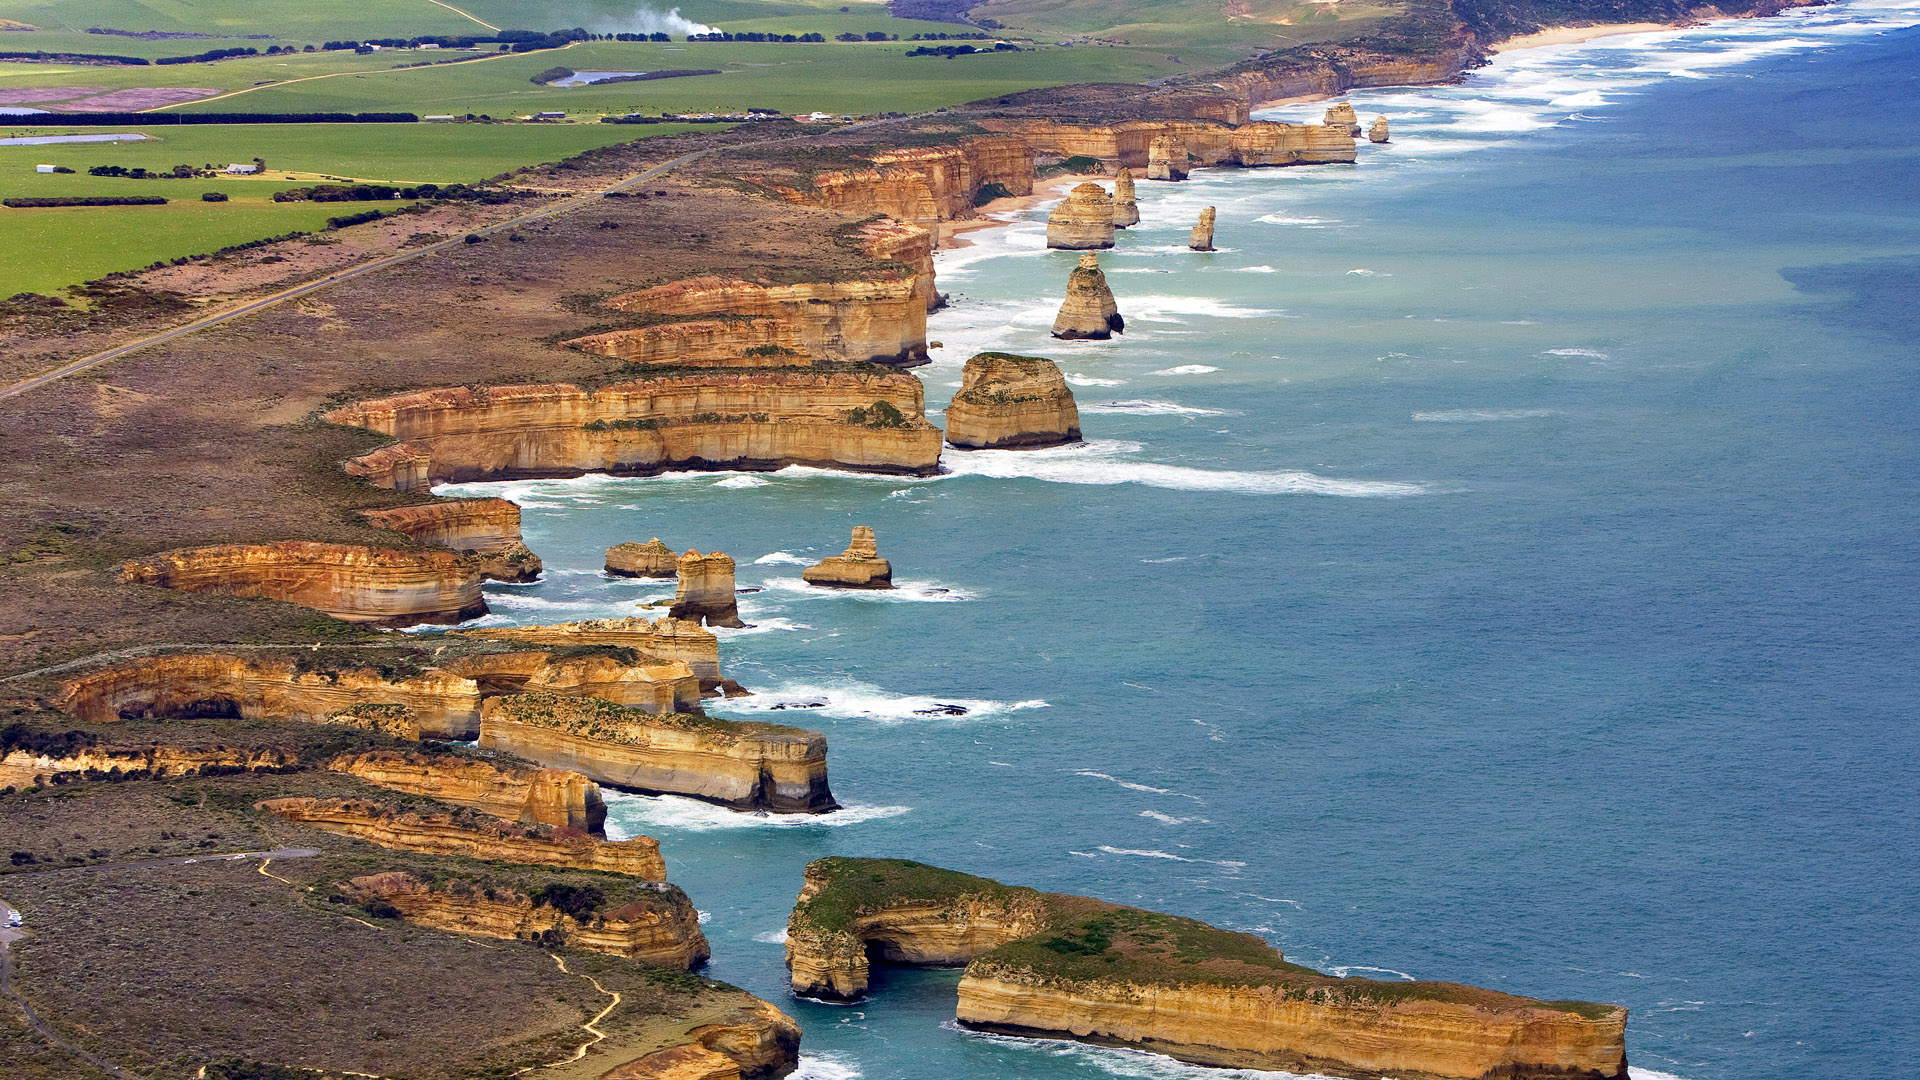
x=140 y=97
x=27 y=95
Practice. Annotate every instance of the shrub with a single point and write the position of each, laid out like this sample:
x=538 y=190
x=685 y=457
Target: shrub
x=85 y=200
x=214 y=196
x=990 y=192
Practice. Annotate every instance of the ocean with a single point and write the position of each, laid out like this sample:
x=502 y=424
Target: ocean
x=1500 y=562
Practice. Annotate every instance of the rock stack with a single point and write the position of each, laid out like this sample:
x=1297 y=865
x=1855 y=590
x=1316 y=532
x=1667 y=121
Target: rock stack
x=706 y=590
x=652 y=559
x=1126 y=211
x=1009 y=402
x=858 y=567
x=1166 y=158
x=1089 y=310
x=1340 y=115
x=1201 y=239
x=1084 y=220
x=1378 y=132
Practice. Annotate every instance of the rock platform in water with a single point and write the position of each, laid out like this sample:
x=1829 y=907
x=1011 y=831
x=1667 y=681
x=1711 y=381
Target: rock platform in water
x=652 y=559
x=858 y=567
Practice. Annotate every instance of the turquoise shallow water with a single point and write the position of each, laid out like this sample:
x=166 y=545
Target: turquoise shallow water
x=1498 y=563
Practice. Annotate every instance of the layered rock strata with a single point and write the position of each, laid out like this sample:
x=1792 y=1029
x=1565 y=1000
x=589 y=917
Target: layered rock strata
x=1126 y=205
x=474 y=836
x=1058 y=965
x=658 y=925
x=1340 y=115
x=747 y=766
x=705 y=592
x=438 y=701
x=689 y=1062
x=910 y=245
x=652 y=559
x=668 y=639
x=556 y=797
x=1169 y=149
x=1378 y=132
x=762 y=342
x=1009 y=402
x=758 y=1040
x=759 y=419
x=931 y=183
x=489 y=528
x=879 y=316
x=21 y=769
x=1166 y=158
x=1201 y=238
x=858 y=567
x=378 y=586
x=1084 y=220
x=1089 y=310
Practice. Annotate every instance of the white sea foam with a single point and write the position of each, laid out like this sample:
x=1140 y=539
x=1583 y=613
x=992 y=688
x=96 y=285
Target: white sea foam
x=1255 y=270
x=1151 y=408
x=1285 y=219
x=1154 y=853
x=782 y=558
x=1104 y=462
x=1367 y=273
x=1131 y=786
x=1344 y=971
x=641 y=815
x=772 y=937
x=742 y=481
x=1186 y=369
x=1129 y=1064
x=760 y=625
x=1078 y=379
x=1480 y=416
x=1594 y=353
x=1159 y=308
x=903 y=592
x=702 y=917
x=1169 y=819
x=852 y=700
x=824 y=1067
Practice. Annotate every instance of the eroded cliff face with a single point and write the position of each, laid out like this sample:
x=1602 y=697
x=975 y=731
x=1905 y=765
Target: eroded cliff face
x=689 y=1062
x=1340 y=115
x=1349 y=69
x=858 y=567
x=1083 y=221
x=474 y=836
x=659 y=927
x=1126 y=204
x=762 y=419
x=652 y=559
x=1201 y=238
x=555 y=797
x=486 y=527
x=910 y=245
x=880 y=316
x=668 y=639
x=757 y=1040
x=759 y=342
x=1269 y=1028
x=1167 y=158
x=378 y=586
x=1009 y=402
x=1089 y=311
x=745 y=766
x=26 y=768
x=1378 y=132
x=1168 y=148
x=705 y=590
x=918 y=184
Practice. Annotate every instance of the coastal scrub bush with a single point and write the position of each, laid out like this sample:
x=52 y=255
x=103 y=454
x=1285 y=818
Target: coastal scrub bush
x=214 y=196
x=881 y=414
x=84 y=200
x=578 y=901
x=990 y=192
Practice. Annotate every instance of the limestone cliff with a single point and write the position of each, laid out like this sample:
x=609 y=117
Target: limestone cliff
x=705 y=590
x=1263 y=143
x=384 y=717
x=1340 y=115
x=652 y=559
x=1168 y=149
x=1348 y=69
x=743 y=765
x=755 y=1041
x=1378 y=132
x=744 y=419
x=380 y=586
x=1009 y=402
x=689 y=1062
x=657 y=924
x=880 y=316
x=553 y=797
x=858 y=567
x=911 y=245
x=1057 y=965
x=1084 y=220
x=486 y=527
x=1089 y=310
x=927 y=183
x=899 y=911
x=475 y=836
x=668 y=639
x=1201 y=238
x=763 y=342
x=1126 y=205
x=1167 y=158
x=23 y=769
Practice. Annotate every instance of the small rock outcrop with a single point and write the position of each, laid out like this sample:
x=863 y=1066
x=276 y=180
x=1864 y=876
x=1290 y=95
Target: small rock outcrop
x=1083 y=221
x=652 y=559
x=1089 y=311
x=1378 y=132
x=1340 y=115
x=858 y=567
x=1009 y=402
x=1201 y=239
x=1166 y=158
x=1126 y=206
x=706 y=590
x=474 y=836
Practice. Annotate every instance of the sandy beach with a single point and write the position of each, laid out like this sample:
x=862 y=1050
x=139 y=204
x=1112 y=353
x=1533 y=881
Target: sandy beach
x=1568 y=35
x=952 y=234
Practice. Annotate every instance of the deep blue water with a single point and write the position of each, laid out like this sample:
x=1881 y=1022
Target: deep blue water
x=1538 y=608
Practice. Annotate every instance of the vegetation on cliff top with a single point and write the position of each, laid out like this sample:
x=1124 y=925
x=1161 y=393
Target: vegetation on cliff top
x=597 y=718
x=863 y=886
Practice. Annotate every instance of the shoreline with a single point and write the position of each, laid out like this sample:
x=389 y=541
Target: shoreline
x=952 y=235
x=1571 y=35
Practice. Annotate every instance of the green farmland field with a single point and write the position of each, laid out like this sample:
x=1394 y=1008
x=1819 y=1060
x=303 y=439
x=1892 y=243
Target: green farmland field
x=45 y=251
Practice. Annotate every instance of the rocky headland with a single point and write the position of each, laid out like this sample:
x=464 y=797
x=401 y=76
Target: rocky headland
x=681 y=640
x=1166 y=157
x=376 y=586
x=474 y=835
x=486 y=527
x=1010 y=402
x=1057 y=965
x=1089 y=311
x=858 y=567
x=747 y=766
x=652 y=559
x=1169 y=149
x=559 y=798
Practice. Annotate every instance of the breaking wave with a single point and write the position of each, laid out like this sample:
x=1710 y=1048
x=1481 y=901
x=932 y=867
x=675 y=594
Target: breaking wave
x=852 y=700
x=642 y=815
x=1480 y=416
x=1102 y=462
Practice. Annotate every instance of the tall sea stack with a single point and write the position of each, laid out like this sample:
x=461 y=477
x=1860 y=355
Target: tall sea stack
x=1166 y=158
x=1088 y=311
x=1125 y=210
x=858 y=567
x=1201 y=239
x=1378 y=132
x=1084 y=220
x=706 y=590
x=1010 y=402
x=1340 y=115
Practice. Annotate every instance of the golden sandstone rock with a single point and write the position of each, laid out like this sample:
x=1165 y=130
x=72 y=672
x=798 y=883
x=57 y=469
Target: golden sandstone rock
x=555 y=797
x=1126 y=206
x=492 y=839
x=381 y=586
x=1009 y=402
x=1201 y=239
x=1167 y=158
x=747 y=766
x=1378 y=132
x=21 y=769
x=667 y=639
x=705 y=593
x=486 y=527
x=689 y=1062
x=1089 y=311
x=1084 y=220
x=652 y=559
x=858 y=567
x=762 y=342
x=1340 y=115
x=879 y=316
